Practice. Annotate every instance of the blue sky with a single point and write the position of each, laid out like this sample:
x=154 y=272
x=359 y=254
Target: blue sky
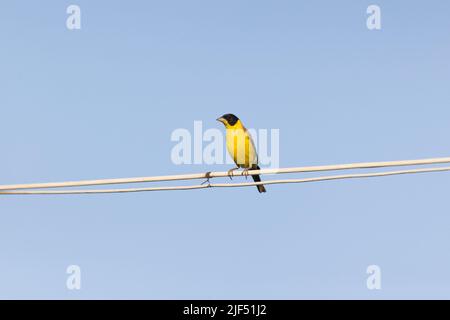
x=102 y=102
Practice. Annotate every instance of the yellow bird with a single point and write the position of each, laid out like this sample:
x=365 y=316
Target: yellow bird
x=240 y=146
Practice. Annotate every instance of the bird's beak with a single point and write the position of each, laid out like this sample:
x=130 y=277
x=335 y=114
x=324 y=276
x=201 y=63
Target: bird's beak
x=221 y=120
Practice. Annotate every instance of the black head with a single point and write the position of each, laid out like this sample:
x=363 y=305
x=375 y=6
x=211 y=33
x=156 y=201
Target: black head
x=231 y=119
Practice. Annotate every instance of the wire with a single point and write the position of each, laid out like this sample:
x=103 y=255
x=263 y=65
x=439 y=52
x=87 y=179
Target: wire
x=208 y=175
x=230 y=185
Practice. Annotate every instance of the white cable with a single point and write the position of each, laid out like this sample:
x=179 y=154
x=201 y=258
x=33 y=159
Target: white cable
x=361 y=165
x=229 y=185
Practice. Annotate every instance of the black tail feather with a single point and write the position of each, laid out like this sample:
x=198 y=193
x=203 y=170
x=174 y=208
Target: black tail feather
x=257 y=178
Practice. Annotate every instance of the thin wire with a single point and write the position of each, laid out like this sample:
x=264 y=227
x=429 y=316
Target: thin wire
x=208 y=175
x=230 y=185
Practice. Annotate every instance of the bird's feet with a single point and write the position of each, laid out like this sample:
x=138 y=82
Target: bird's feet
x=230 y=172
x=245 y=173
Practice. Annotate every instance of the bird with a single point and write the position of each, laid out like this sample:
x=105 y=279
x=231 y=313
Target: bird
x=241 y=147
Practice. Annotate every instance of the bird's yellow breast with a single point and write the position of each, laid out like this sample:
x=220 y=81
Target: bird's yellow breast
x=240 y=146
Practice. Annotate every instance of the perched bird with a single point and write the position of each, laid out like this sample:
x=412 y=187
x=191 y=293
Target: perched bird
x=241 y=147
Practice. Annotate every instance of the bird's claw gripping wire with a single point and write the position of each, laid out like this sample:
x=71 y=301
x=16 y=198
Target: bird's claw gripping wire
x=245 y=173
x=230 y=173
x=208 y=176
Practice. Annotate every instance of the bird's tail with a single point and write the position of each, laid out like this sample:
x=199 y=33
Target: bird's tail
x=257 y=178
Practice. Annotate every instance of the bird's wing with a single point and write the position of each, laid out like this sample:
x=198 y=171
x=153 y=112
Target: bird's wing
x=251 y=157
